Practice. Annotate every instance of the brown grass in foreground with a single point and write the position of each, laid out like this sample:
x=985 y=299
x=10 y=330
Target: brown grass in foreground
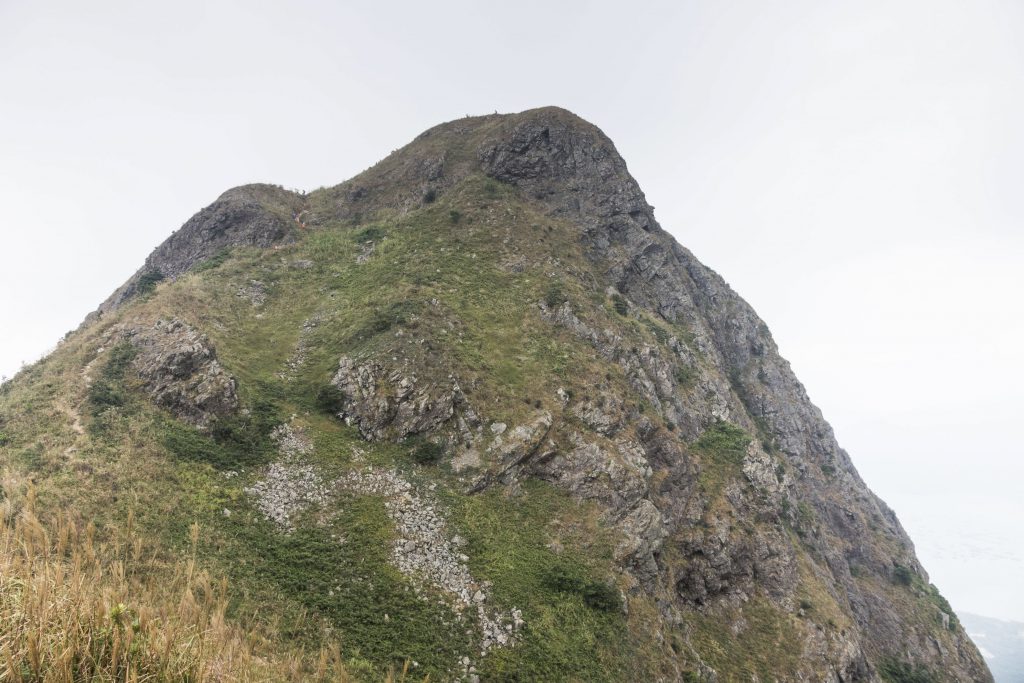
x=74 y=608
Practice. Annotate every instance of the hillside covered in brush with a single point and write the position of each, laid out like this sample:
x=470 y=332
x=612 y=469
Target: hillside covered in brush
x=471 y=413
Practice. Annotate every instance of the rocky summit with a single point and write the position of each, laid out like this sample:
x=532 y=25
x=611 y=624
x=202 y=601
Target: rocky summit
x=472 y=415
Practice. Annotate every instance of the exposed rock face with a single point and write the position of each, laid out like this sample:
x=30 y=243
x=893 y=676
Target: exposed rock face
x=654 y=376
x=251 y=215
x=513 y=450
x=180 y=371
x=255 y=291
x=390 y=403
x=573 y=168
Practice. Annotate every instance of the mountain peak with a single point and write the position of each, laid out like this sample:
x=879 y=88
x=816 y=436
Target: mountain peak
x=550 y=153
x=506 y=409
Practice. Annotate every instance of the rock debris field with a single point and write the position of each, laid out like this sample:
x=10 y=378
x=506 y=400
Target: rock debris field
x=423 y=550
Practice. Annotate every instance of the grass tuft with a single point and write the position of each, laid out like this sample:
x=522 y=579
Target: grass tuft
x=75 y=607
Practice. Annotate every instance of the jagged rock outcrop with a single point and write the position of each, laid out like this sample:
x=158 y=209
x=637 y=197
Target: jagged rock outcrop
x=662 y=381
x=179 y=369
x=390 y=403
x=251 y=215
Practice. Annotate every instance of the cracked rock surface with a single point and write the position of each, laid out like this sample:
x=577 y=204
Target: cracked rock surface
x=179 y=369
x=249 y=215
x=384 y=402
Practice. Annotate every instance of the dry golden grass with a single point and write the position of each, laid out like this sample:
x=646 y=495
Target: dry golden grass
x=75 y=608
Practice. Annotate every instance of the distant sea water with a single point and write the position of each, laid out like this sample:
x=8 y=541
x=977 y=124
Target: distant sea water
x=1001 y=644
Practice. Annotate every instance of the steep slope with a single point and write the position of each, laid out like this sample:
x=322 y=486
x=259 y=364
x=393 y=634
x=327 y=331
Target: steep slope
x=475 y=410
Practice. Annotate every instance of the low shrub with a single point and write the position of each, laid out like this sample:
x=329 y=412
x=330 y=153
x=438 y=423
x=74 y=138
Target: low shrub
x=370 y=234
x=902 y=575
x=213 y=262
x=554 y=295
x=233 y=441
x=685 y=376
x=330 y=400
x=657 y=331
x=31 y=458
x=724 y=441
x=148 y=282
x=108 y=390
x=896 y=671
x=383 y=319
x=805 y=517
x=596 y=594
x=943 y=605
x=426 y=452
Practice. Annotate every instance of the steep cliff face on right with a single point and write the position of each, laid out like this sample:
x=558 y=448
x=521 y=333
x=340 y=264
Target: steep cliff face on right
x=762 y=512
x=479 y=391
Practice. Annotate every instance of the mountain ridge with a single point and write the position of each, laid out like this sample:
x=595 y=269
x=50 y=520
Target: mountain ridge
x=734 y=521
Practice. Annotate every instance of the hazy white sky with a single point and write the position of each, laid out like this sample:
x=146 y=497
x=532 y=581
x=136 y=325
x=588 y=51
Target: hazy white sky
x=852 y=168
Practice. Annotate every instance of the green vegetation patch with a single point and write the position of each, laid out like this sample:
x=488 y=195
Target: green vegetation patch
x=722 y=448
x=148 y=282
x=369 y=234
x=109 y=397
x=685 y=376
x=330 y=400
x=232 y=442
x=189 y=443
x=896 y=671
x=215 y=261
x=767 y=648
x=659 y=333
x=907 y=578
x=620 y=304
x=31 y=458
x=554 y=295
x=596 y=594
x=575 y=628
x=341 y=573
x=902 y=575
x=108 y=391
x=424 y=452
x=383 y=318
x=943 y=605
